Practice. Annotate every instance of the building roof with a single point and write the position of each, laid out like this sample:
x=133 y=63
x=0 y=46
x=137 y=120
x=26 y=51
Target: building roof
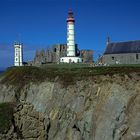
x=123 y=47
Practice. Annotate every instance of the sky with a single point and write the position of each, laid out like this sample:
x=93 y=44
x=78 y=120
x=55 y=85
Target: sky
x=42 y=23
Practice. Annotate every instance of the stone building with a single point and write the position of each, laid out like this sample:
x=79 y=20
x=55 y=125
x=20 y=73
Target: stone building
x=55 y=52
x=50 y=55
x=122 y=53
x=87 y=56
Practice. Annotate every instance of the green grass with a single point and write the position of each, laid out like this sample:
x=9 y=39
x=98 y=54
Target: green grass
x=126 y=65
x=67 y=74
x=61 y=66
x=6 y=115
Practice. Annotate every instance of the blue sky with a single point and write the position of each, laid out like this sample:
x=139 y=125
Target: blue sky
x=40 y=23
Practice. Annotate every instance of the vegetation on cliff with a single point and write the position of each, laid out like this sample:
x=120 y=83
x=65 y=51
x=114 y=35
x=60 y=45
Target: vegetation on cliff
x=67 y=74
x=6 y=115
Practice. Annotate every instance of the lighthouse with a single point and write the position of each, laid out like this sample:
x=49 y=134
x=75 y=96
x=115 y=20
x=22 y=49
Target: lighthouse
x=71 y=49
x=18 y=60
x=70 y=34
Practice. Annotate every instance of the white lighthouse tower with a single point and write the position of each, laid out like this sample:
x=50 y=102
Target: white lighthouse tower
x=70 y=35
x=18 y=60
x=71 y=50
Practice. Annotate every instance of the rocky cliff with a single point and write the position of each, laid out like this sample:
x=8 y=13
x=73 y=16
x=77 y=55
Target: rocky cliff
x=99 y=107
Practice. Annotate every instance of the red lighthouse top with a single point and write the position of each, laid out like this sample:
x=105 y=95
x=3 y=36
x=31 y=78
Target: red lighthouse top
x=70 y=16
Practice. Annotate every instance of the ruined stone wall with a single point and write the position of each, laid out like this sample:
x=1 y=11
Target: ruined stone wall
x=55 y=52
x=51 y=55
x=87 y=56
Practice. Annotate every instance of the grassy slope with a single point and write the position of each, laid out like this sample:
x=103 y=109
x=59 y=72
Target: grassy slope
x=66 y=73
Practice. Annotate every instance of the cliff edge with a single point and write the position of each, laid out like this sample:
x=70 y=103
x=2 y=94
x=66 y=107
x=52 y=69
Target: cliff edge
x=70 y=104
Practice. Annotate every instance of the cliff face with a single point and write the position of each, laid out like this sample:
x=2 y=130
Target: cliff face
x=97 y=108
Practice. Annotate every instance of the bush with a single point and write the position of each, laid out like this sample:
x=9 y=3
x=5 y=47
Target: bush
x=6 y=115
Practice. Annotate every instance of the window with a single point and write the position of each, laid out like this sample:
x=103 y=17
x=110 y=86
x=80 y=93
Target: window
x=137 y=56
x=113 y=57
x=54 y=49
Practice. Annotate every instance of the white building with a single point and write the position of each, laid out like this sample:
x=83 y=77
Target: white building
x=71 y=49
x=18 y=60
